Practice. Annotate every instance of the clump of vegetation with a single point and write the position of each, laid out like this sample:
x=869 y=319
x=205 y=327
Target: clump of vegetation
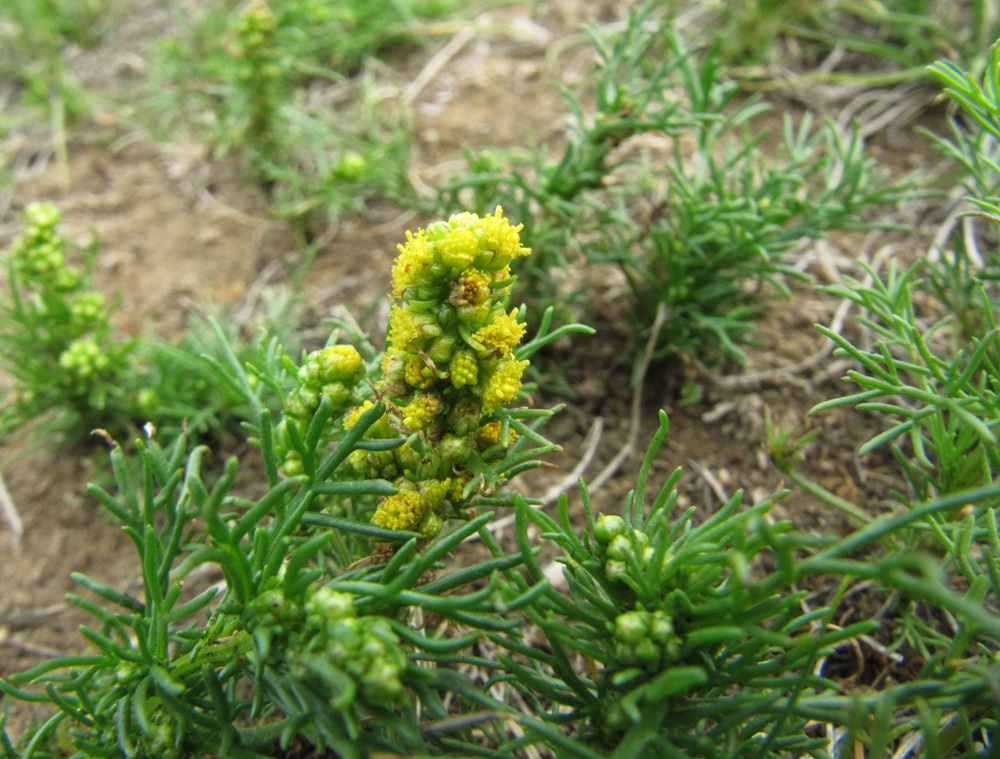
x=58 y=343
x=283 y=81
x=672 y=637
x=670 y=181
x=73 y=371
x=346 y=623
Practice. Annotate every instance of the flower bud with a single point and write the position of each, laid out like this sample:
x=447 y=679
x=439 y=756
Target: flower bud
x=608 y=527
x=350 y=166
x=615 y=570
x=455 y=448
x=435 y=491
x=419 y=373
x=327 y=604
x=632 y=627
x=442 y=349
x=458 y=248
x=339 y=394
x=464 y=369
x=341 y=363
x=400 y=511
x=430 y=525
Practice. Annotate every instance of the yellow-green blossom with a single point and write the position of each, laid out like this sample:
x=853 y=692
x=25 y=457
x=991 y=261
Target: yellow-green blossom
x=464 y=369
x=418 y=373
x=490 y=434
x=420 y=412
x=341 y=363
x=458 y=249
x=352 y=416
x=501 y=335
x=448 y=365
x=503 y=384
x=413 y=259
x=400 y=511
x=500 y=241
x=470 y=289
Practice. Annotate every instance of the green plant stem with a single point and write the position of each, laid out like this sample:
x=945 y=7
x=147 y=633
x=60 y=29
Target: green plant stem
x=830 y=499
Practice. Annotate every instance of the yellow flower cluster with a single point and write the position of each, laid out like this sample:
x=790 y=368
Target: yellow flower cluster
x=400 y=511
x=449 y=335
x=449 y=364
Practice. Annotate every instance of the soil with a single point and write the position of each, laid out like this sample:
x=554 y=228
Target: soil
x=180 y=230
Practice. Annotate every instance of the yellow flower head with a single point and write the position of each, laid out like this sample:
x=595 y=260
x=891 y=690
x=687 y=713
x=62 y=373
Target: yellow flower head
x=458 y=248
x=490 y=434
x=418 y=373
x=500 y=241
x=501 y=335
x=352 y=416
x=414 y=258
x=400 y=511
x=470 y=289
x=402 y=331
x=341 y=363
x=420 y=412
x=458 y=486
x=464 y=369
x=503 y=385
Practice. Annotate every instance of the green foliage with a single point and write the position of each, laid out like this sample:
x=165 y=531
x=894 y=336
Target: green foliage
x=73 y=372
x=673 y=182
x=675 y=636
x=307 y=639
x=944 y=401
x=934 y=381
x=677 y=632
x=58 y=343
x=33 y=37
x=910 y=33
x=283 y=82
x=887 y=42
x=968 y=273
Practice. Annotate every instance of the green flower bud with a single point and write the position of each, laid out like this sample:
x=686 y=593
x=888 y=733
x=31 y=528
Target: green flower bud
x=302 y=403
x=341 y=363
x=326 y=604
x=623 y=546
x=340 y=395
x=615 y=570
x=86 y=310
x=430 y=525
x=647 y=651
x=292 y=465
x=474 y=315
x=67 y=280
x=464 y=415
x=608 y=527
x=83 y=360
x=632 y=627
x=381 y=683
x=350 y=166
x=442 y=349
x=42 y=214
x=455 y=448
x=464 y=369
x=434 y=492
x=620 y=548
x=661 y=628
